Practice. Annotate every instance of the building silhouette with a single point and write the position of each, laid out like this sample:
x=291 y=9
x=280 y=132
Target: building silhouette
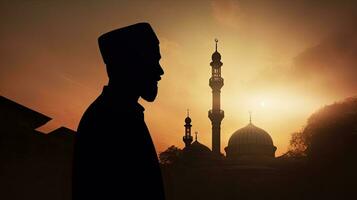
x=249 y=164
x=33 y=165
x=247 y=144
x=250 y=170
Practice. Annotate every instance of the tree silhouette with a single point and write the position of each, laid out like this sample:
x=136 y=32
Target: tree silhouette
x=170 y=155
x=297 y=147
x=329 y=141
x=330 y=133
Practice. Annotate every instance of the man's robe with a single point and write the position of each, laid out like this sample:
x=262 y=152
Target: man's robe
x=114 y=154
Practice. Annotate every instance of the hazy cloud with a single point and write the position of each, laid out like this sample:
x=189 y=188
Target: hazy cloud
x=333 y=62
x=226 y=12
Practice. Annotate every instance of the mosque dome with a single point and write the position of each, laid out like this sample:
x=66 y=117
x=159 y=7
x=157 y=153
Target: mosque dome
x=250 y=141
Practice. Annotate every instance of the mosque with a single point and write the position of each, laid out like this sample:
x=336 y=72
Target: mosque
x=249 y=143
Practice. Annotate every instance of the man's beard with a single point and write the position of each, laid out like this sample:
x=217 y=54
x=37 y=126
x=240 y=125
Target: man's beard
x=149 y=92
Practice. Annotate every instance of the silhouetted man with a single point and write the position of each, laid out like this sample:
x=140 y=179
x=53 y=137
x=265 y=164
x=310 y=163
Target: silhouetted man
x=114 y=154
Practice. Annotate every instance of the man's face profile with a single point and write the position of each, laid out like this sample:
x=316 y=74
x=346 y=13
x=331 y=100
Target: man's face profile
x=132 y=56
x=151 y=76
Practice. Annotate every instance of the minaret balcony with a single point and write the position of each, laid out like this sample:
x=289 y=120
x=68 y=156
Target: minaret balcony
x=216 y=64
x=216 y=82
x=187 y=138
x=216 y=115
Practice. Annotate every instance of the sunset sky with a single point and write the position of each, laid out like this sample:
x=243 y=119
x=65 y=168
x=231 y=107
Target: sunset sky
x=282 y=60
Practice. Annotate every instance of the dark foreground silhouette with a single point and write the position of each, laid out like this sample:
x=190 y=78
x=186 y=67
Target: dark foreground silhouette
x=114 y=154
x=37 y=166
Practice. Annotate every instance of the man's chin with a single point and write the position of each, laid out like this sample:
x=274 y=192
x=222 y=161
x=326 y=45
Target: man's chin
x=148 y=99
x=149 y=95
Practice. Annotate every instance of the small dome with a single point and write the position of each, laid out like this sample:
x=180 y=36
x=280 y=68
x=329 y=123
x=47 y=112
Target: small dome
x=198 y=147
x=197 y=153
x=188 y=120
x=216 y=56
x=250 y=140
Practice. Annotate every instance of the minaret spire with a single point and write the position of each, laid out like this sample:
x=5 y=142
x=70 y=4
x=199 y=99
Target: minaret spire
x=216 y=40
x=196 y=133
x=216 y=115
x=187 y=138
x=250 y=117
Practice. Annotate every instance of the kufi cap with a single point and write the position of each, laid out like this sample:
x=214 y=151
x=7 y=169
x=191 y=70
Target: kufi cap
x=136 y=39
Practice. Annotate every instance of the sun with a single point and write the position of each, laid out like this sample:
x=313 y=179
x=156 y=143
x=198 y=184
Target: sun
x=262 y=104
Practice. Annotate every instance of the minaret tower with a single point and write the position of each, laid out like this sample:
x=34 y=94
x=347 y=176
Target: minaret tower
x=216 y=114
x=187 y=138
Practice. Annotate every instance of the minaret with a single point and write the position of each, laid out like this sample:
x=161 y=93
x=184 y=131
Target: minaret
x=216 y=114
x=187 y=138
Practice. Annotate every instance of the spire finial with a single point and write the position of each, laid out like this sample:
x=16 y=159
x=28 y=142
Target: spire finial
x=188 y=112
x=216 y=40
x=250 y=117
x=196 y=133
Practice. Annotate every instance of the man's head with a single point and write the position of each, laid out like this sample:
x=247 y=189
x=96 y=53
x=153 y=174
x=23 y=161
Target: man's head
x=132 y=56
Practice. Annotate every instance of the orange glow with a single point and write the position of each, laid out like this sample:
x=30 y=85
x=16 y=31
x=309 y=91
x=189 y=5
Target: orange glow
x=52 y=64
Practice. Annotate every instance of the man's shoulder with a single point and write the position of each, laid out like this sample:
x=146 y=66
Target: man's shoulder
x=107 y=111
x=92 y=114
